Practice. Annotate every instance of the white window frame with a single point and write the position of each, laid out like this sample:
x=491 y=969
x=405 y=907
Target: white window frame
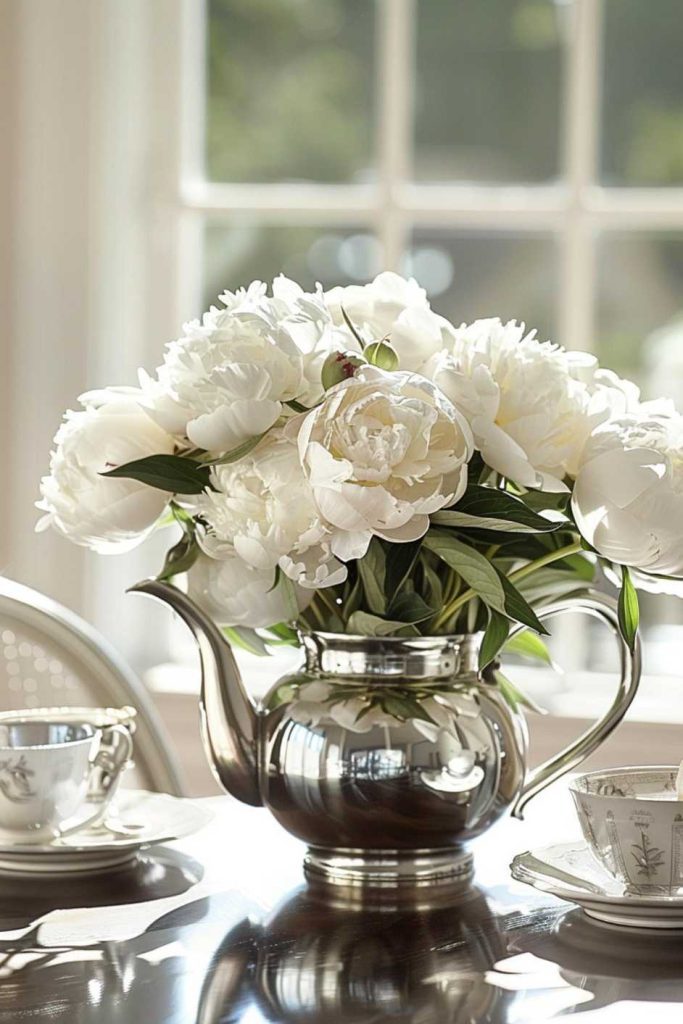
x=573 y=211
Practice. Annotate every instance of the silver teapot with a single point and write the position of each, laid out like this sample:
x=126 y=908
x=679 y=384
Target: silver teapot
x=391 y=799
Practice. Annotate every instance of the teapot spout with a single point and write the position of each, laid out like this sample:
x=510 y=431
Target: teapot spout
x=229 y=721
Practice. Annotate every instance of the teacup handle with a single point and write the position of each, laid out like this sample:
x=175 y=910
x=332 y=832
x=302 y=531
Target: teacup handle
x=605 y=609
x=110 y=760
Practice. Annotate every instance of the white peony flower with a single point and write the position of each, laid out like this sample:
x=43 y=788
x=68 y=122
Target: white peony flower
x=394 y=308
x=628 y=495
x=262 y=509
x=531 y=405
x=382 y=452
x=105 y=514
x=228 y=378
x=235 y=594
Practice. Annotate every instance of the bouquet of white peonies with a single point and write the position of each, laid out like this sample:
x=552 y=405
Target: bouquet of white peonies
x=350 y=461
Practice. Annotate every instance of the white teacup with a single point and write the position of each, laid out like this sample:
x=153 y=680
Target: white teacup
x=102 y=781
x=632 y=820
x=46 y=770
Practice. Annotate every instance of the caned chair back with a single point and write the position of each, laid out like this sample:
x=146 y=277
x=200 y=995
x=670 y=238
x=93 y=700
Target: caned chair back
x=49 y=657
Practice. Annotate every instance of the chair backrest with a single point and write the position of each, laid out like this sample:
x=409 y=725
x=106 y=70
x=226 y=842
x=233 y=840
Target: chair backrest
x=50 y=657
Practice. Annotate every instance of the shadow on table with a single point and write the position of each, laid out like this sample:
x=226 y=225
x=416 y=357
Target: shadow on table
x=613 y=963
x=150 y=877
x=68 y=972
x=316 y=961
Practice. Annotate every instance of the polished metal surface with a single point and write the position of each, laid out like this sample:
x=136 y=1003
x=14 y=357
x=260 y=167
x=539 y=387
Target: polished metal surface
x=220 y=929
x=630 y=664
x=230 y=725
x=368 y=795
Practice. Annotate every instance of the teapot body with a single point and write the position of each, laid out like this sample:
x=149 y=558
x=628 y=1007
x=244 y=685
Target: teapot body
x=387 y=756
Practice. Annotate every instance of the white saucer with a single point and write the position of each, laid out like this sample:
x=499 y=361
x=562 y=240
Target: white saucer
x=140 y=819
x=571 y=872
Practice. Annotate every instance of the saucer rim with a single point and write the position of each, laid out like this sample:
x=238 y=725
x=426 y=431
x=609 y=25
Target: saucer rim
x=528 y=876
x=67 y=846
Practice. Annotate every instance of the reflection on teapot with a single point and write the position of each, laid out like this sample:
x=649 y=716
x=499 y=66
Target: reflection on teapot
x=317 y=961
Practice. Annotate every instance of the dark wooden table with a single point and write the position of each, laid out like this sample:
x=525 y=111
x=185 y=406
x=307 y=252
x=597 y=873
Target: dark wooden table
x=221 y=928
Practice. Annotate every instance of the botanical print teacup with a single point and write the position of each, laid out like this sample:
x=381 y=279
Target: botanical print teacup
x=46 y=768
x=102 y=781
x=633 y=822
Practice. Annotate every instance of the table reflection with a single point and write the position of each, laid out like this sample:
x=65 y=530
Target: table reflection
x=60 y=960
x=313 y=960
x=613 y=964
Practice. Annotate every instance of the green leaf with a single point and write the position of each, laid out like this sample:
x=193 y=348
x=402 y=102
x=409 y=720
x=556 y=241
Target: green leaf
x=628 y=610
x=542 y=501
x=514 y=696
x=372 y=569
x=477 y=468
x=400 y=562
x=433 y=585
x=485 y=579
x=165 y=472
x=246 y=638
x=490 y=509
x=296 y=406
x=288 y=592
x=239 y=452
x=365 y=624
x=410 y=607
x=285 y=634
x=550 y=583
x=470 y=564
x=529 y=645
x=180 y=558
x=518 y=608
x=495 y=636
x=353 y=594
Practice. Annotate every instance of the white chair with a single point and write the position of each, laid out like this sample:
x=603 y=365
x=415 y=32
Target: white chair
x=50 y=657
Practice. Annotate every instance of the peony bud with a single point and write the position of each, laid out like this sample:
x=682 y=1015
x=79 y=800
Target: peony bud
x=338 y=367
x=381 y=354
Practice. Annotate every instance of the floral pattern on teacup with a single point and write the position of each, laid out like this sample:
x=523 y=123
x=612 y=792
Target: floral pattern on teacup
x=15 y=779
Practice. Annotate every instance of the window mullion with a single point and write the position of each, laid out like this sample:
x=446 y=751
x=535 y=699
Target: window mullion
x=395 y=65
x=577 y=292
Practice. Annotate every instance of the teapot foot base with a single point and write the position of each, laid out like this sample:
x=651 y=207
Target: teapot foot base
x=389 y=870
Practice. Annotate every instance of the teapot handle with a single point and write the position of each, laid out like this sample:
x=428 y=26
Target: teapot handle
x=605 y=609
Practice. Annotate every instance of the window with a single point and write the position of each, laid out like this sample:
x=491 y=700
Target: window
x=505 y=152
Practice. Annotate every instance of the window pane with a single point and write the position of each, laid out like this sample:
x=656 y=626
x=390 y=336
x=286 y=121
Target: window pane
x=290 y=90
x=235 y=254
x=471 y=275
x=640 y=310
x=488 y=90
x=642 y=134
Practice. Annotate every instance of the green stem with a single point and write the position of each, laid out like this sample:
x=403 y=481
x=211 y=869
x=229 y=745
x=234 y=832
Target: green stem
x=518 y=574
x=329 y=604
x=318 y=620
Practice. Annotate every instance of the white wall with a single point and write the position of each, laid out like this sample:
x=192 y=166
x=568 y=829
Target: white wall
x=89 y=100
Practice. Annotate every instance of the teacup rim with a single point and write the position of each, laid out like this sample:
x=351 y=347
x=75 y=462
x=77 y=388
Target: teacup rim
x=48 y=746
x=631 y=769
x=50 y=713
